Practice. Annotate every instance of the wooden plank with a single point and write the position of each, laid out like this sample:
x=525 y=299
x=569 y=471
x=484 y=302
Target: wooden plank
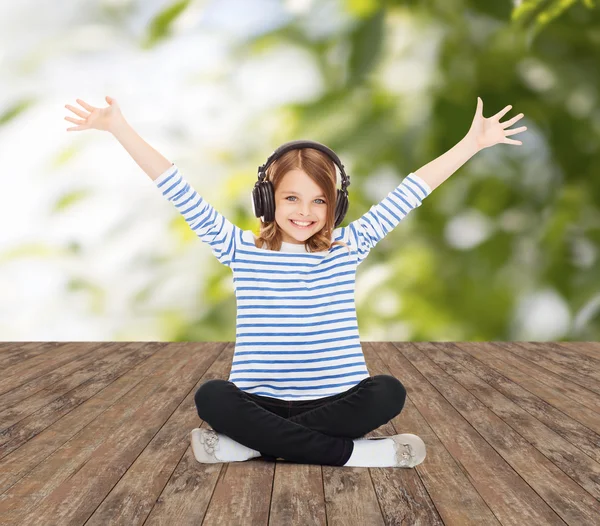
x=68 y=486
x=568 y=351
x=26 y=370
x=587 y=348
x=23 y=460
x=511 y=499
x=572 y=399
x=178 y=492
x=298 y=496
x=401 y=492
x=571 y=500
x=38 y=412
x=123 y=455
x=590 y=345
x=350 y=496
x=35 y=459
x=445 y=479
x=11 y=353
x=585 y=375
x=29 y=396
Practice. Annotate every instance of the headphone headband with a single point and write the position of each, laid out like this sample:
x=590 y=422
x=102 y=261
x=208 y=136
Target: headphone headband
x=304 y=143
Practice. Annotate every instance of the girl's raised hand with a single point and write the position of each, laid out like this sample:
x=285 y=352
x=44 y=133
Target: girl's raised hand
x=486 y=132
x=97 y=118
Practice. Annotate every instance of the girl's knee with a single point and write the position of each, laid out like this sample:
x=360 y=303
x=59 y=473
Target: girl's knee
x=207 y=396
x=399 y=389
x=395 y=392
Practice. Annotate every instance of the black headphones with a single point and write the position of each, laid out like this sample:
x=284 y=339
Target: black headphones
x=263 y=193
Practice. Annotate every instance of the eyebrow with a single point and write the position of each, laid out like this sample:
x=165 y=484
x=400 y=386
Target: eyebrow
x=296 y=193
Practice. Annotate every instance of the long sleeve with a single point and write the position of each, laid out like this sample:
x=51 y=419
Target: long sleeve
x=208 y=224
x=382 y=218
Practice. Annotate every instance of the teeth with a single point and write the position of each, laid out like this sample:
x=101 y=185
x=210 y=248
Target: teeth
x=302 y=224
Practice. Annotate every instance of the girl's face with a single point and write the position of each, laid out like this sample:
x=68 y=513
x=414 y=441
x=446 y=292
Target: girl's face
x=300 y=198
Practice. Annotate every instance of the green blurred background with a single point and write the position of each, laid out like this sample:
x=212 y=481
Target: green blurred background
x=505 y=249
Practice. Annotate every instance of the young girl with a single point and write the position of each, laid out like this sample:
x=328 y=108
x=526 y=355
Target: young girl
x=299 y=388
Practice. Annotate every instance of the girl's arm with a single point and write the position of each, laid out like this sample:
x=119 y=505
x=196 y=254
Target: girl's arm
x=382 y=218
x=206 y=222
x=483 y=133
x=111 y=119
x=435 y=172
x=147 y=158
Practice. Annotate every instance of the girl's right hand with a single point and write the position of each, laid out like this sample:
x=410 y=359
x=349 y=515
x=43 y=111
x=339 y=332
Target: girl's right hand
x=97 y=118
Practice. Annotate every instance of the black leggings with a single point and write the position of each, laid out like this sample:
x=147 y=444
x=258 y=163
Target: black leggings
x=303 y=431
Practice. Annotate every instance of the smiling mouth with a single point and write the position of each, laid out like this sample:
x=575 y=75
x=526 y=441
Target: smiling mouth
x=302 y=227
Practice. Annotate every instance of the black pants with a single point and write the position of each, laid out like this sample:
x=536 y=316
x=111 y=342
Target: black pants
x=303 y=431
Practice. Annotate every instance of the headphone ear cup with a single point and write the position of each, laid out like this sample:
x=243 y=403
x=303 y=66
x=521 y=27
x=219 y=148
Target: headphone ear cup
x=263 y=200
x=338 y=208
x=269 y=200
x=256 y=202
x=341 y=206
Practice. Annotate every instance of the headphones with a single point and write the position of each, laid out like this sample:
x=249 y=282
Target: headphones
x=263 y=193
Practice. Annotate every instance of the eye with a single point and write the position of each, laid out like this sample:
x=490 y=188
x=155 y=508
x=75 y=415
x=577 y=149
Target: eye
x=293 y=196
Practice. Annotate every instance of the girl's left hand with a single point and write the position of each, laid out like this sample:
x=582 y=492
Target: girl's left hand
x=487 y=132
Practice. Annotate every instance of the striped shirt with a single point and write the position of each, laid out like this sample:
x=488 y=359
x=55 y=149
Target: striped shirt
x=296 y=329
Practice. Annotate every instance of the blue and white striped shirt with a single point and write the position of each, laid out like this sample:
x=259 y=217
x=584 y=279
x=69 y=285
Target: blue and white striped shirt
x=296 y=329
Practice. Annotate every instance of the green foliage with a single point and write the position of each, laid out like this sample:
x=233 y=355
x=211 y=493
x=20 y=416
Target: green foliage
x=15 y=109
x=541 y=201
x=70 y=199
x=534 y=15
x=366 y=43
x=160 y=26
x=490 y=52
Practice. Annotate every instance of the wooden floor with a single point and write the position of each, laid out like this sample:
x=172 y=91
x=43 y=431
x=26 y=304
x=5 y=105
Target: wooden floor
x=98 y=433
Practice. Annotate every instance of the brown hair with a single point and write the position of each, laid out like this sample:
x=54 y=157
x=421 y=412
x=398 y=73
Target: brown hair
x=321 y=169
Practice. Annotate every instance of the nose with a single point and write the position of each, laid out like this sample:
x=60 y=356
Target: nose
x=305 y=210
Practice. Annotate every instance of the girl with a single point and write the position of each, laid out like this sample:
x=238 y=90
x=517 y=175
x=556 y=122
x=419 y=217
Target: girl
x=299 y=388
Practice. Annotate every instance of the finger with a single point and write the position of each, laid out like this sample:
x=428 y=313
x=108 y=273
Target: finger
x=501 y=113
x=87 y=106
x=76 y=121
x=516 y=130
x=510 y=141
x=512 y=121
x=76 y=111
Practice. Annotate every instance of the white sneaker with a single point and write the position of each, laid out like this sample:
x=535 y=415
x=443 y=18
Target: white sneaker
x=204 y=442
x=410 y=450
